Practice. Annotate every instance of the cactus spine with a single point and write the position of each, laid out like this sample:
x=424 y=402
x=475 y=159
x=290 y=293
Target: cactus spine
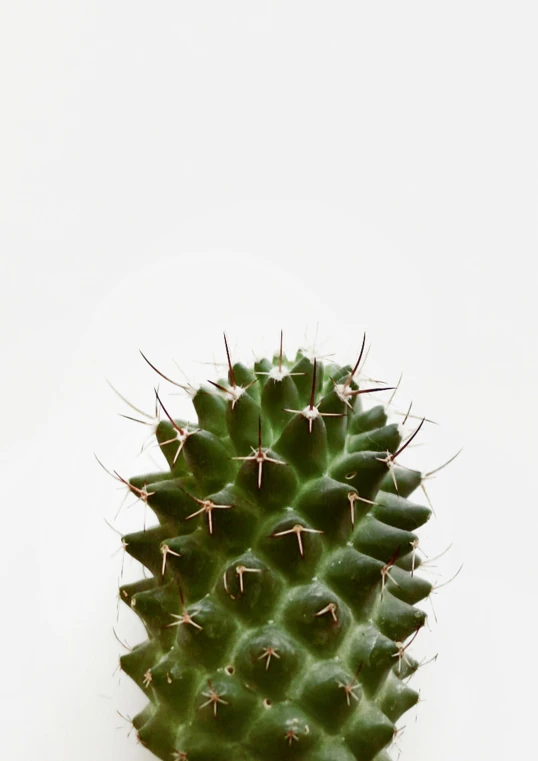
x=282 y=596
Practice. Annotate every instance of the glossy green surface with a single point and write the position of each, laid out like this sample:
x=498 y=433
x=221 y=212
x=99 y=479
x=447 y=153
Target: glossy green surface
x=280 y=596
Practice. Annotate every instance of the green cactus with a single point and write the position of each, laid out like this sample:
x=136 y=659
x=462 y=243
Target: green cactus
x=283 y=592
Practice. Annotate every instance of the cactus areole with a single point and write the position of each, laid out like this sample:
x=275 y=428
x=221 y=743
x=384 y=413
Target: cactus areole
x=283 y=589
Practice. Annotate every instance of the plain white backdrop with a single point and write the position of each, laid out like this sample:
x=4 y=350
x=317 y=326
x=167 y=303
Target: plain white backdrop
x=170 y=170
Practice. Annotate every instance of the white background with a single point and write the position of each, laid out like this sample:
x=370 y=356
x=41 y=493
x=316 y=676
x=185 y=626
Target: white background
x=173 y=169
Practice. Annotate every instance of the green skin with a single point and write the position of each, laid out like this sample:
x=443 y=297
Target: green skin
x=280 y=602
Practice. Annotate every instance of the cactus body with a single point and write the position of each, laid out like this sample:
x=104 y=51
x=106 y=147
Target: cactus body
x=283 y=588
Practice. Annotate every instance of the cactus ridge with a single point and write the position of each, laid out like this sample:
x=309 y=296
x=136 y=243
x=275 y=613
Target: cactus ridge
x=283 y=592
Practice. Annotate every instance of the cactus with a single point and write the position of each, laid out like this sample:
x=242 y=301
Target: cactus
x=282 y=596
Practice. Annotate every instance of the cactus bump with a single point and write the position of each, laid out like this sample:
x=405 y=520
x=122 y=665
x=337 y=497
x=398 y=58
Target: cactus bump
x=284 y=579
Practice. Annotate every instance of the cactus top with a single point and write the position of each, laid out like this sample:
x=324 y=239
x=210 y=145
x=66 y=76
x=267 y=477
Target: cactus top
x=283 y=591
